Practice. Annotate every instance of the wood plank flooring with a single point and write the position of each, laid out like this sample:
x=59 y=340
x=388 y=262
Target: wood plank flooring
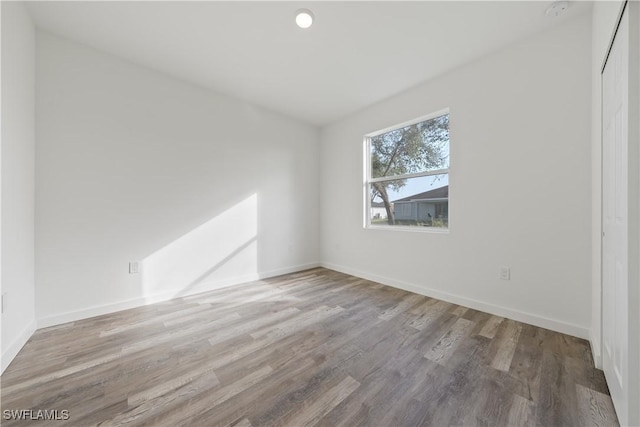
x=312 y=348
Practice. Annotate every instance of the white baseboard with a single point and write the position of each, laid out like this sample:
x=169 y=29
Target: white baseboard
x=533 y=319
x=287 y=270
x=14 y=348
x=520 y=316
x=596 y=352
x=99 y=310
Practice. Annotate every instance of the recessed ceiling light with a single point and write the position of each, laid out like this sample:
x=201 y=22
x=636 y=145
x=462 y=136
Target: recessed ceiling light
x=304 y=18
x=557 y=8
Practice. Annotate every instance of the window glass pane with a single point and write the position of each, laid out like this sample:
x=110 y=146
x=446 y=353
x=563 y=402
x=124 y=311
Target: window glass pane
x=416 y=202
x=417 y=148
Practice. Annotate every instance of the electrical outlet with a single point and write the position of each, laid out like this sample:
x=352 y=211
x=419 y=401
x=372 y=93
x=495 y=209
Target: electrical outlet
x=134 y=267
x=505 y=273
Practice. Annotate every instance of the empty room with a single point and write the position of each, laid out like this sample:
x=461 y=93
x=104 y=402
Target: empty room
x=357 y=213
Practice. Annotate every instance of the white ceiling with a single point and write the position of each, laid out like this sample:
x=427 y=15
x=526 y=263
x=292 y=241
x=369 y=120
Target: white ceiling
x=355 y=54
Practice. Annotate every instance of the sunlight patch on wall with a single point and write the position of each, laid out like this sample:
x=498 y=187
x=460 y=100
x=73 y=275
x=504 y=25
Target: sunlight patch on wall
x=221 y=251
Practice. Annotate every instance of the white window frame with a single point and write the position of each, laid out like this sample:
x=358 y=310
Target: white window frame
x=369 y=180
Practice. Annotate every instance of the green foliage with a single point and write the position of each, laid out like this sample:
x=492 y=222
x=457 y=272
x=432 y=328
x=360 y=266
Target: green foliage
x=411 y=149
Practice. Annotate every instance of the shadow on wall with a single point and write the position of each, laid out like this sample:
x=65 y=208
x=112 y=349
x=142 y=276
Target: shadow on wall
x=222 y=251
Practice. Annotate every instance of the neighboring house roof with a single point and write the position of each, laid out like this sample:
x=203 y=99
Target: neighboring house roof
x=377 y=204
x=439 y=194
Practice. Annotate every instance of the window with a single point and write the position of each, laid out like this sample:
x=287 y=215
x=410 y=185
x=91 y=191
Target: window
x=407 y=175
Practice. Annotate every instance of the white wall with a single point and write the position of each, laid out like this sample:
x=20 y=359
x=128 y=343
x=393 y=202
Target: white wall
x=18 y=110
x=134 y=165
x=520 y=186
x=604 y=20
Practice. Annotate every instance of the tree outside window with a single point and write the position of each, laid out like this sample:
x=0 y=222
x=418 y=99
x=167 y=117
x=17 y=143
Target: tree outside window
x=407 y=173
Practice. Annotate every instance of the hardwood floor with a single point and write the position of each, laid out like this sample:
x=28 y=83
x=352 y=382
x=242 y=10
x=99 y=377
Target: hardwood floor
x=311 y=348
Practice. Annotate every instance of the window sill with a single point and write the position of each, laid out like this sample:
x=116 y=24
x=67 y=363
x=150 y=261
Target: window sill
x=431 y=230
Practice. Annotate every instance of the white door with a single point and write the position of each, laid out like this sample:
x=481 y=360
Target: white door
x=615 y=322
